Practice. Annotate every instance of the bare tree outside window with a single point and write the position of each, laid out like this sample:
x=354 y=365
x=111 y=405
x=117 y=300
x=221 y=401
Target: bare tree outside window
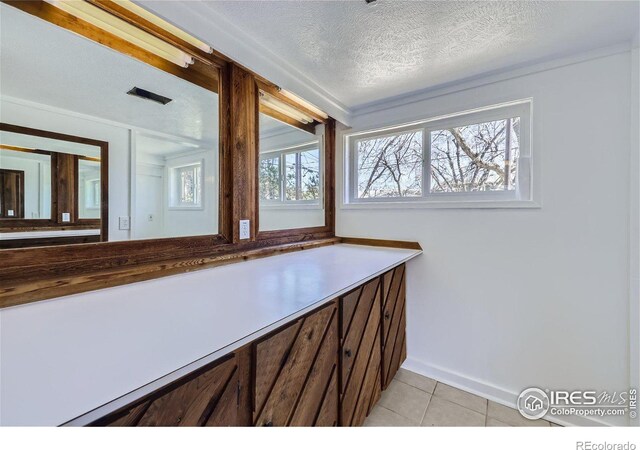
x=479 y=157
x=269 y=178
x=299 y=171
x=302 y=175
x=390 y=166
x=186 y=184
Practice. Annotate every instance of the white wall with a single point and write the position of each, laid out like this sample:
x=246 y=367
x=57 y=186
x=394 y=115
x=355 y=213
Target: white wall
x=502 y=300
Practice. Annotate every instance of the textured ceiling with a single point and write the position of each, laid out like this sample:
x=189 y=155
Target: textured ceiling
x=43 y=63
x=364 y=53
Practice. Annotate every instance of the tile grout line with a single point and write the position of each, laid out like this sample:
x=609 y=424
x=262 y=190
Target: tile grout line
x=428 y=403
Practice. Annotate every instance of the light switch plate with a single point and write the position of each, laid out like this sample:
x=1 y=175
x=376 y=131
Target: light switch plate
x=123 y=223
x=245 y=232
x=66 y=217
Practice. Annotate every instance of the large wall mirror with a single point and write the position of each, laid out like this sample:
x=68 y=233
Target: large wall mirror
x=290 y=175
x=161 y=132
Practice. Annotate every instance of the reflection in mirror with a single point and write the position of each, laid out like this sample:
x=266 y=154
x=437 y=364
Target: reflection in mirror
x=25 y=184
x=89 y=188
x=290 y=176
x=176 y=187
x=49 y=188
x=163 y=156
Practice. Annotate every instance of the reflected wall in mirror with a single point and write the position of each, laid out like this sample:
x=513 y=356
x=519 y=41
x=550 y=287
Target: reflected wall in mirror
x=176 y=187
x=290 y=176
x=163 y=156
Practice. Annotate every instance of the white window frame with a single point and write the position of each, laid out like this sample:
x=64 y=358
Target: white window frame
x=173 y=197
x=93 y=182
x=283 y=203
x=521 y=197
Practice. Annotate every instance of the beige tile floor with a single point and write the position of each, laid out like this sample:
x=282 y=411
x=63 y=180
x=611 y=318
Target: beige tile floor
x=414 y=400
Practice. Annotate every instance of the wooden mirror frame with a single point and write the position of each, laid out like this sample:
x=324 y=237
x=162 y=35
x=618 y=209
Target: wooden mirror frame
x=55 y=222
x=38 y=273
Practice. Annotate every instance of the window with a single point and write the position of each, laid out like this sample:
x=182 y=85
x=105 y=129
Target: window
x=92 y=194
x=186 y=186
x=480 y=156
x=291 y=176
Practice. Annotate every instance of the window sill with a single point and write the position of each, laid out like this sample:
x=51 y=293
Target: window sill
x=444 y=204
x=186 y=208
x=299 y=206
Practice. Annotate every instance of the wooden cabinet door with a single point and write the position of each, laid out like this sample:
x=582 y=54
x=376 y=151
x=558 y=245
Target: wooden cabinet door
x=296 y=380
x=360 y=352
x=206 y=397
x=394 y=323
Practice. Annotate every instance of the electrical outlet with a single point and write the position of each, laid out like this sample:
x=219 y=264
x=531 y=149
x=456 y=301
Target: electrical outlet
x=245 y=233
x=123 y=223
x=66 y=217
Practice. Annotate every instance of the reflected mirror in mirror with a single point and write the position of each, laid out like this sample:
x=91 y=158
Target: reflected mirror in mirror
x=25 y=183
x=50 y=188
x=163 y=156
x=290 y=176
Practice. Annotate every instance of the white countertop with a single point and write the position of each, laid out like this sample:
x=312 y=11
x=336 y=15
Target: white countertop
x=62 y=358
x=46 y=234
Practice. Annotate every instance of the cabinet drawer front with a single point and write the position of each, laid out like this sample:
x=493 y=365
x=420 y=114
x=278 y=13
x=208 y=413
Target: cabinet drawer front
x=208 y=397
x=394 y=323
x=294 y=369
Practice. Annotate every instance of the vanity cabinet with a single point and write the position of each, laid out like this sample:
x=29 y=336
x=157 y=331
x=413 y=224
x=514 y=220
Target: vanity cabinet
x=326 y=368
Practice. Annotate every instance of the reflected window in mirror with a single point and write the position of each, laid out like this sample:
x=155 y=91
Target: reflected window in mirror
x=89 y=193
x=290 y=176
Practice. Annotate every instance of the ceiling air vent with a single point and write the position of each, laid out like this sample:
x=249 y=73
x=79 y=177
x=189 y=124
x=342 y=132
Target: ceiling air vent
x=147 y=95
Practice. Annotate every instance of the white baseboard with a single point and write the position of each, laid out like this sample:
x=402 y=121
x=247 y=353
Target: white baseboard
x=488 y=391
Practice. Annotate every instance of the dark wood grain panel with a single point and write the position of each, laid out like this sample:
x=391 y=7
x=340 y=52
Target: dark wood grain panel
x=318 y=379
x=300 y=388
x=243 y=113
x=208 y=396
x=348 y=305
x=392 y=284
x=191 y=403
x=361 y=365
x=352 y=337
x=329 y=410
x=270 y=357
x=370 y=390
x=394 y=323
